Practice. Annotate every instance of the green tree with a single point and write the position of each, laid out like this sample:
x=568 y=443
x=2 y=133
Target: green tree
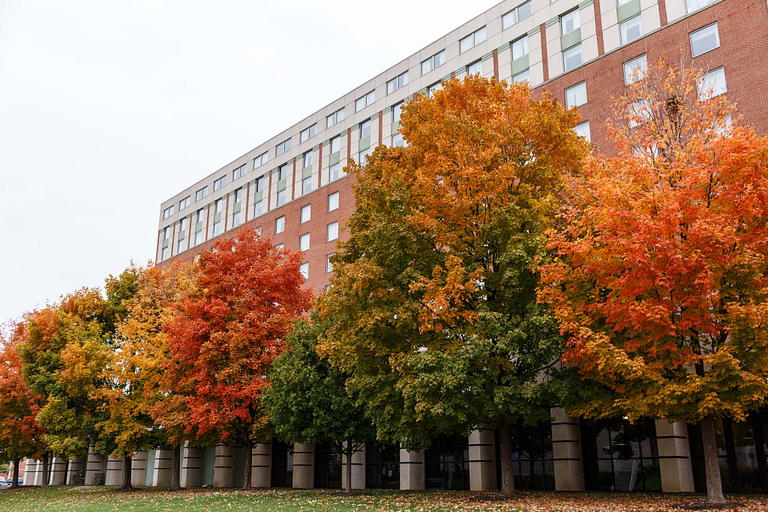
x=308 y=401
x=433 y=301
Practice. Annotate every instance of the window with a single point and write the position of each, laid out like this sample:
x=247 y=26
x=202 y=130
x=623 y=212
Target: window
x=216 y=228
x=622 y=2
x=283 y=147
x=279 y=225
x=364 y=101
x=184 y=224
x=334 y=118
x=308 y=133
x=166 y=232
x=712 y=84
x=398 y=140
x=180 y=246
x=200 y=213
x=361 y=156
x=260 y=160
x=238 y=195
x=396 y=83
x=520 y=48
x=258 y=207
x=304 y=242
x=166 y=253
x=519 y=13
x=306 y=185
x=306 y=213
x=572 y=57
x=218 y=206
x=304 y=269
x=582 y=130
x=472 y=40
x=282 y=197
x=183 y=203
x=167 y=212
x=397 y=110
x=279 y=246
x=430 y=92
x=569 y=22
x=199 y=237
x=333 y=201
x=336 y=144
x=236 y=220
x=307 y=158
x=260 y=181
x=201 y=193
x=704 y=40
x=219 y=183
x=334 y=172
x=631 y=29
x=328 y=264
x=282 y=172
x=635 y=69
x=333 y=231
x=365 y=129
x=523 y=76
x=695 y=5
x=639 y=112
x=576 y=96
x=475 y=67
x=238 y=173
x=433 y=62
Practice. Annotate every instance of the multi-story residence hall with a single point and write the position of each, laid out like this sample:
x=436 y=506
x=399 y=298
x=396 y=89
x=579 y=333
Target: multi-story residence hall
x=293 y=187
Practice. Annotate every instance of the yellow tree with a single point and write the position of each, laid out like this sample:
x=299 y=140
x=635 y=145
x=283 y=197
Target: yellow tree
x=135 y=368
x=661 y=281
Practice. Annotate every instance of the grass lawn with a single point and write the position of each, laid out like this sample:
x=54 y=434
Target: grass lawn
x=93 y=499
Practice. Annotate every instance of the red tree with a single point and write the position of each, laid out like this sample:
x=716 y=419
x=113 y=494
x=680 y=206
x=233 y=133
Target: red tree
x=226 y=334
x=20 y=434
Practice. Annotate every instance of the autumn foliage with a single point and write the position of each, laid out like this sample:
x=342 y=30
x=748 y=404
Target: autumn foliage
x=661 y=277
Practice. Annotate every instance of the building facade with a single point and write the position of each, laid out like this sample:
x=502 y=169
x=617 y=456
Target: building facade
x=294 y=190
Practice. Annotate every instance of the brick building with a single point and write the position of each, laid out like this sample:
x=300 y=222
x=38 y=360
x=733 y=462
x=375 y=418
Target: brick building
x=294 y=189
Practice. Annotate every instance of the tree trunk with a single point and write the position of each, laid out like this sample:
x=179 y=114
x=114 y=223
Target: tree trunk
x=505 y=449
x=127 y=466
x=176 y=476
x=348 y=469
x=45 y=470
x=15 y=481
x=248 y=463
x=711 y=462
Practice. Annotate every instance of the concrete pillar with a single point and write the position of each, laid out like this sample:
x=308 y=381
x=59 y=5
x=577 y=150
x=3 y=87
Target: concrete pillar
x=39 y=473
x=674 y=456
x=482 y=459
x=411 y=470
x=224 y=466
x=262 y=465
x=75 y=472
x=191 y=473
x=139 y=469
x=114 y=471
x=30 y=472
x=94 y=468
x=303 y=466
x=58 y=474
x=358 y=469
x=163 y=472
x=566 y=448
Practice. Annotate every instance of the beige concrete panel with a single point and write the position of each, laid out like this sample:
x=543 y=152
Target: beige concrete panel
x=589 y=48
x=94 y=466
x=139 y=469
x=611 y=38
x=75 y=471
x=412 y=470
x=30 y=472
x=58 y=474
x=114 y=471
x=674 y=456
x=482 y=460
x=536 y=73
x=358 y=469
x=224 y=466
x=261 y=477
x=566 y=447
x=163 y=472
x=191 y=467
x=651 y=19
x=675 y=10
x=303 y=466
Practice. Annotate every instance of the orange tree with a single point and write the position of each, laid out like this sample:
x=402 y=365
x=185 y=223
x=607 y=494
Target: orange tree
x=20 y=433
x=433 y=307
x=226 y=333
x=660 y=278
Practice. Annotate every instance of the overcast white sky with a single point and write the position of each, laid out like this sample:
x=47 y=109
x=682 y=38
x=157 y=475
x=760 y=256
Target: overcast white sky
x=108 y=108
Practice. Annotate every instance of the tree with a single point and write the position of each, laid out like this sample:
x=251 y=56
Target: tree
x=307 y=400
x=660 y=281
x=63 y=355
x=20 y=433
x=226 y=333
x=433 y=300
x=133 y=374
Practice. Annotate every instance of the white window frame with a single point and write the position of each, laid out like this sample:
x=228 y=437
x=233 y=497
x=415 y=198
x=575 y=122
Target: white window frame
x=635 y=69
x=337 y=141
x=334 y=172
x=582 y=130
x=702 y=33
x=523 y=76
x=514 y=15
x=279 y=224
x=433 y=62
x=307 y=133
x=475 y=38
x=183 y=203
x=626 y=25
x=283 y=147
x=304 y=269
x=305 y=214
x=519 y=45
x=695 y=5
x=478 y=68
x=333 y=201
x=570 y=15
x=167 y=212
x=398 y=82
x=260 y=160
x=576 y=95
x=328 y=264
x=220 y=183
x=304 y=242
x=712 y=80
x=334 y=118
x=365 y=100
x=332 y=231
x=565 y=57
